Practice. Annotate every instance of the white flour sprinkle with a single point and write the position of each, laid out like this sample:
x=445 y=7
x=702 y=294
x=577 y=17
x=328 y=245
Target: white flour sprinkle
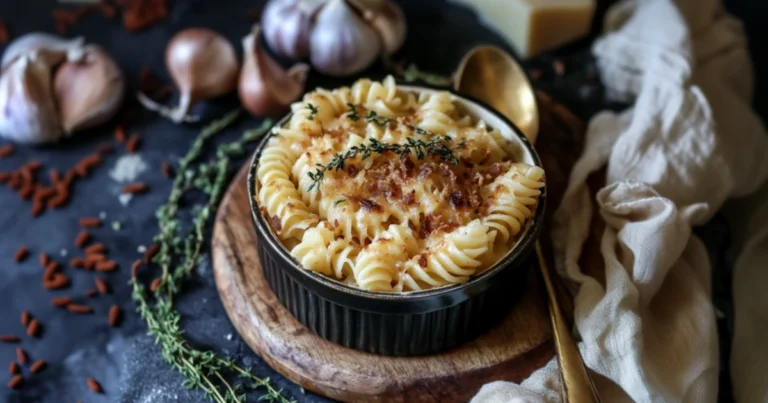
x=63 y=253
x=229 y=336
x=102 y=215
x=141 y=249
x=128 y=168
x=125 y=198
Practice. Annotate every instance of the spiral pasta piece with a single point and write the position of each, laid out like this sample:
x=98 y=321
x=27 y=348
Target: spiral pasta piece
x=515 y=195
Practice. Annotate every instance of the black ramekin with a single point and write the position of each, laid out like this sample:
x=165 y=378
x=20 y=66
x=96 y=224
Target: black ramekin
x=413 y=323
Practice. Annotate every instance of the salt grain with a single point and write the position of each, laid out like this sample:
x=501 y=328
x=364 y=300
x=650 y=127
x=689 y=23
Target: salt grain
x=63 y=253
x=141 y=249
x=102 y=215
x=125 y=198
x=128 y=168
x=229 y=336
x=116 y=225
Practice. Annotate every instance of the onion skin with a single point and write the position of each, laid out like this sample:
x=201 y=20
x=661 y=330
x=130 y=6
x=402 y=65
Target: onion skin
x=265 y=88
x=28 y=43
x=89 y=90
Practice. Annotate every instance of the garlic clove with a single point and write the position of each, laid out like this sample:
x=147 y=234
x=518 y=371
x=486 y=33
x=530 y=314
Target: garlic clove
x=27 y=108
x=342 y=43
x=287 y=24
x=265 y=88
x=38 y=40
x=89 y=89
x=388 y=20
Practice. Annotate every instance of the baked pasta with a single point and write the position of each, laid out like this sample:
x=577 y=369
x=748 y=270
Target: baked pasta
x=393 y=191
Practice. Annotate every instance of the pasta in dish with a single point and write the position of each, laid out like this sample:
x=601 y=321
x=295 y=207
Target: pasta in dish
x=393 y=191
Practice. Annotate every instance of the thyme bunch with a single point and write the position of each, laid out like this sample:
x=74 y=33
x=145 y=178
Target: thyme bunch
x=434 y=146
x=178 y=255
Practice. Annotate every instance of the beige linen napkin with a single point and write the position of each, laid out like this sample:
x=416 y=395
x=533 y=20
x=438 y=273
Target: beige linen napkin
x=689 y=143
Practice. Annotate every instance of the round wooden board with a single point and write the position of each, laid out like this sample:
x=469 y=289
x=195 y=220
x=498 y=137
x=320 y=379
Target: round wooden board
x=512 y=350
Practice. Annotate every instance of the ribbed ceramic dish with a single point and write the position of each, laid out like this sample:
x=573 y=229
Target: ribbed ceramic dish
x=413 y=323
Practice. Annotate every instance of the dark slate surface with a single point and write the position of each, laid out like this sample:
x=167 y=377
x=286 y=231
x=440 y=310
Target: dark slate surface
x=124 y=359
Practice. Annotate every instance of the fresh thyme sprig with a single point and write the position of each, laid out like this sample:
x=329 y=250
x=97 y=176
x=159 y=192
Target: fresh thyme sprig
x=418 y=147
x=312 y=111
x=412 y=73
x=377 y=119
x=352 y=113
x=177 y=257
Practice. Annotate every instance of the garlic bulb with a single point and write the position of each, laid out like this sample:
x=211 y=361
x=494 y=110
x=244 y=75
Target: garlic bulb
x=38 y=40
x=27 y=108
x=89 y=88
x=287 y=25
x=341 y=37
x=341 y=42
x=266 y=89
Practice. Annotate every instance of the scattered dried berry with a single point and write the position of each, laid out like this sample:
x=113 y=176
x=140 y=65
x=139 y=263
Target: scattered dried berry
x=45 y=260
x=16 y=382
x=135 y=268
x=155 y=284
x=21 y=254
x=101 y=285
x=37 y=367
x=25 y=318
x=82 y=238
x=150 y=253
x=33 y=328
x=94 y=386
x=95 y=249
x=21 y=356
x=109 y=265
x=78 y=308
x=13 y=368
x=133 y=143
x=57 y=282
x=114 y=315
x=90 y=222
x=7 y=338
x=61 y=302
x=135 y=188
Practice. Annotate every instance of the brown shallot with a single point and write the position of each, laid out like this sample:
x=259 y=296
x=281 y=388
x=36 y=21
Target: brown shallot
x=203 y=65
x=265 y=88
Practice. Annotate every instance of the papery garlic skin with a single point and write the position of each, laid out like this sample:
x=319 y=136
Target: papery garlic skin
x=265 y=88
x=28 y=43
x=287 y=24
x=341 y=42
x=27 y=109
x=89 y=89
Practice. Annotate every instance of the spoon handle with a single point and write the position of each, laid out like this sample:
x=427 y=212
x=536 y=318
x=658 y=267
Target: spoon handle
x=577 y=386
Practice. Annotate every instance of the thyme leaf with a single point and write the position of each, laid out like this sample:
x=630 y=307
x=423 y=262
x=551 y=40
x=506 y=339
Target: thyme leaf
x=312 y=111
x=412 y=73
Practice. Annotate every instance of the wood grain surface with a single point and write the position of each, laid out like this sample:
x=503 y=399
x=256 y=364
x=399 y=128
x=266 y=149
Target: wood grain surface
x=510 y=351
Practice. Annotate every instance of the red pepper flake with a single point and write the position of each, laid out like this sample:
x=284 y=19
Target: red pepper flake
x=94 y=386
x=135 y=188
x=79 y=308
x=57 y=282
x=33 y=328
x=101 y=285
x=61 y=198
x=167 y=170
x=4 y=35
x=135 y=268
x=120 y=134
x=133 y=143
x=105 y=149
x=44 y=259
x=90 y=222
x=21 y=254
x=107 y=9
x=37 y=367
x=25 y=318
x=150 y=253
x=27 y=190
x=7 y=338
x=94 y=258
x=77 y=262
x=50 y=270
x=370 y=205
x=55 y=176
x=7 y=150
x=21 y=356
x=559 y=67
x=91 y=293
x=97 y=248
x=423 y=260
x=16 y=382
x=42 y=193
x=109 y=265
x=13 y=368
x=155 y=284
x=114 y=315
x=61 y=302
x=82 y=238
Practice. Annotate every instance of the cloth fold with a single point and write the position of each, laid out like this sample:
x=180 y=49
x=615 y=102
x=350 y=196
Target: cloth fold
x=689 y=143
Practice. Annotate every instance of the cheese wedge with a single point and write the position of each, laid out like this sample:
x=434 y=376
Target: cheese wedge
x=535 y=26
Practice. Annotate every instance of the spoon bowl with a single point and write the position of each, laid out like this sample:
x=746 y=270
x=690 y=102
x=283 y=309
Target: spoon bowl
x=488 y=73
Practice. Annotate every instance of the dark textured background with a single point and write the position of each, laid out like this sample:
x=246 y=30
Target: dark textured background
x=124 y=359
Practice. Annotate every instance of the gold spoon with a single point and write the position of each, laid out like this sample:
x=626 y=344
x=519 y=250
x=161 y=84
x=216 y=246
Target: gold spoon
x=494 y=77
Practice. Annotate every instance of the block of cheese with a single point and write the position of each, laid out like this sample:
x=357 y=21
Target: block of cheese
x=535 y=26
